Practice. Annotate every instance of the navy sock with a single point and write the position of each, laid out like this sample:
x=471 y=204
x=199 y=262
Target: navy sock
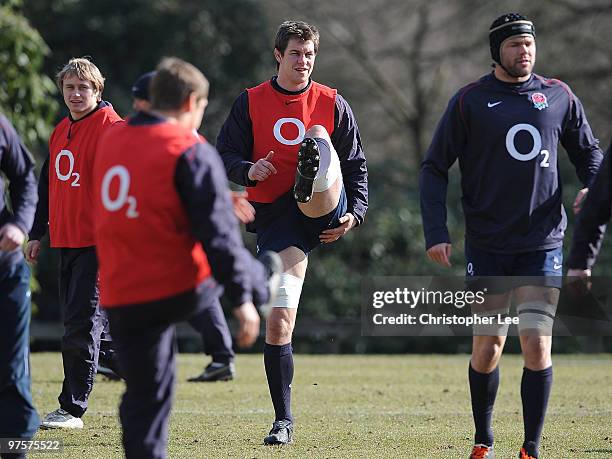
x=483 y=389
x=535 y=390
x=278 y=361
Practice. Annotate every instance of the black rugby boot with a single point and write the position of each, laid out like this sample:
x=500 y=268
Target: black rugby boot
x=307 y=167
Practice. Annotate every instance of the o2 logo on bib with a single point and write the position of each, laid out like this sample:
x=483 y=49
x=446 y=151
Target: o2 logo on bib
x=69 y=174
x=297 y=123
x=537 y=144
x=122 y=198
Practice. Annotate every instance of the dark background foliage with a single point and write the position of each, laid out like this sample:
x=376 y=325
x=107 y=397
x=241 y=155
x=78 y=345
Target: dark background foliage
x=396 y=61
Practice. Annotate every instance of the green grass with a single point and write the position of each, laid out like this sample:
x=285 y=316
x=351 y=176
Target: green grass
x=350 y=407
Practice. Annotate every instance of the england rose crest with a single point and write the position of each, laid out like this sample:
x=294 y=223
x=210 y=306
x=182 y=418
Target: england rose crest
x=539 y=100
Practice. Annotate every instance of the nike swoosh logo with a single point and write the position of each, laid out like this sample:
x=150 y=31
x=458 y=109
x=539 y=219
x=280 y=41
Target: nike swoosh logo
x=489 y=104
x=287 y=102
x=557 y=266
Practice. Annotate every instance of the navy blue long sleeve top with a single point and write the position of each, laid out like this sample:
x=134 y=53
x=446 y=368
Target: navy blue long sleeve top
x=17 y=164
x=592 y=219
x=505 y=137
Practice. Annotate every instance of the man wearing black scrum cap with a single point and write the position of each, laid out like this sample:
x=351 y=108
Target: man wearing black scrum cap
x=504 y=128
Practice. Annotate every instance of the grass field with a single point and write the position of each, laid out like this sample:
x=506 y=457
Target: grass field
x=349 y=407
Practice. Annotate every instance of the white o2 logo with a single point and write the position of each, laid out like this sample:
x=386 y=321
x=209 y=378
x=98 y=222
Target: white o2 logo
x=65 y=177
x=300 y=126
x=113 y=205
x=537 y=144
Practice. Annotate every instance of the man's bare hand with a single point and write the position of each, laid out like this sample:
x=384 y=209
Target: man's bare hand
x=578 y=272
x=11 y=237
x=262 y=168
x=347 y=222
x=32 y=251
x=578 y=200
x=248 y=330
x=440 y=253
x=578 y=282
x=242 y=207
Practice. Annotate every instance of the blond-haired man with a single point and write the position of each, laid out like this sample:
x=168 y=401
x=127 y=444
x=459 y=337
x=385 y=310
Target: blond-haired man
x=65 y=211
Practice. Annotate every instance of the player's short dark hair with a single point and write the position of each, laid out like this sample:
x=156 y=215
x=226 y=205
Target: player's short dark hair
x=174 y=81
x=296 y=29
x=506 y=26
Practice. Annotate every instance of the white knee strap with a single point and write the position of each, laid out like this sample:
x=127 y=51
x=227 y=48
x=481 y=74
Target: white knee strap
x=494 y=329
x=329 y=167
x=538 y=316
x=289 y=291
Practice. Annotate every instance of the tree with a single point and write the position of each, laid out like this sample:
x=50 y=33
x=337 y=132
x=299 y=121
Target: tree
x=128 y=38
x=25 y=93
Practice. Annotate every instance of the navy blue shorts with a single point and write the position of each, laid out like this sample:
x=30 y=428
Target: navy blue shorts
x=541 y=267
x=281 y=224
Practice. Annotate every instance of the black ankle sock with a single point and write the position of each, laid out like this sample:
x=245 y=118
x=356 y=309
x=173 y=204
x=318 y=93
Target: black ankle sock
x=278 y=361
x=483 y=389
x=535 y=390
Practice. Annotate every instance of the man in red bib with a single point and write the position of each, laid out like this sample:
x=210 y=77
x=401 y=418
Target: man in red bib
x=210 y=322
x=65 y=209
x=164 y=226
x=295 y=145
